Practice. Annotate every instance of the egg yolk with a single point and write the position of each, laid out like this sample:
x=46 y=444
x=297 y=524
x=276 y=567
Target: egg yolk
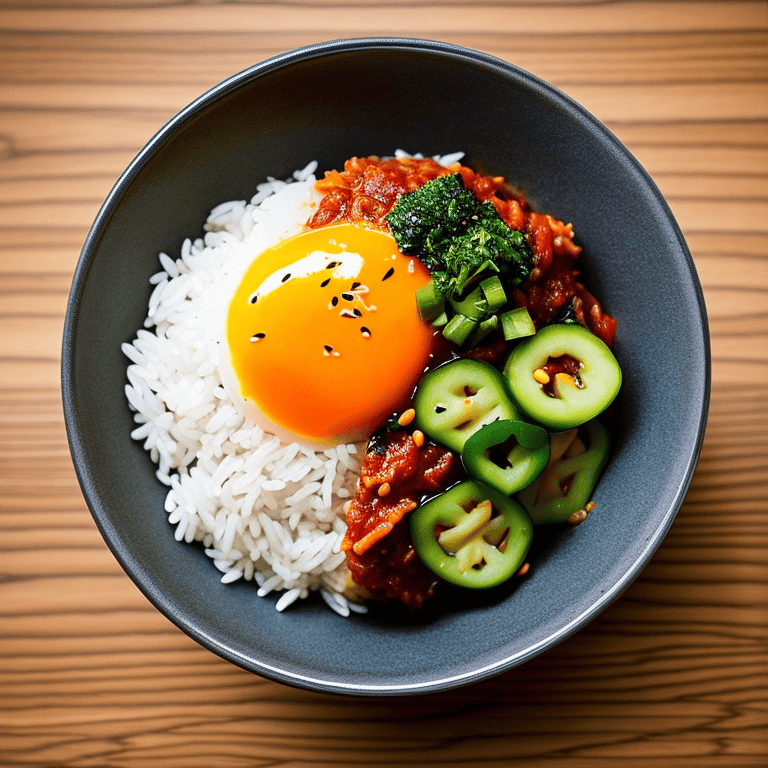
x=324 y=332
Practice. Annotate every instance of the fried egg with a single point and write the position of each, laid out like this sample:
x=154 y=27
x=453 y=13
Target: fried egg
x=323 y=335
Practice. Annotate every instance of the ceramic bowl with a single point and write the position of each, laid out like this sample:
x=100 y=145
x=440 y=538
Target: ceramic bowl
x=371 y=96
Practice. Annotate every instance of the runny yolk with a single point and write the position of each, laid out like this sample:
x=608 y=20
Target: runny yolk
x=324 y=332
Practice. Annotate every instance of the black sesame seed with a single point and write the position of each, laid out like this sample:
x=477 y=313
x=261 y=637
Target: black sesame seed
x=327 y=347
x=346 y=313
x=389 y=273
x=357 y=312
x=258 y=336
x=286 y=276
x=355 y=286
x=348 y=296
x=254 y=298
x=439 y=408
x=365 y=331
x=334 y=301
x=325 y=282
x=332 y=265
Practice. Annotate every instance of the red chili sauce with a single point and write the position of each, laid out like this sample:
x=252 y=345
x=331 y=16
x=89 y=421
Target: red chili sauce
x=380 y=556
x=562 y=364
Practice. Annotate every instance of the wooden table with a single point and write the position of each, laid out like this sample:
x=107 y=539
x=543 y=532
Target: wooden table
x=673 y=674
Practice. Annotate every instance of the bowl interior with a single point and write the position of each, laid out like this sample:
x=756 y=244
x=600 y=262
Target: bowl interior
x=370 y=97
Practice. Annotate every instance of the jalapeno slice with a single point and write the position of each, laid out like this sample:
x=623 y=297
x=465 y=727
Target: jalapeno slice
x=456 y=399
x=471 y=535
x=507 y=455
x=567 y=484
x=563 y=376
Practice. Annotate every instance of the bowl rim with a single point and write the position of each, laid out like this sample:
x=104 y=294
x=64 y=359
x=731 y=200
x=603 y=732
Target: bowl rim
x=72 y=421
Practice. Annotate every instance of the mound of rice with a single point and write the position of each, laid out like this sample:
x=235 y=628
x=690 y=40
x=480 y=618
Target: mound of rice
x=263 y=510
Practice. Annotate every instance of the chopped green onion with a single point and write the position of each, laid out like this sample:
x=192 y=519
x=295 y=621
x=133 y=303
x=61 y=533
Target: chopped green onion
x=484 y=327
x=516 y=323
x=469 y=276
x=494 y=293
x=440 y=320
x=429 y=301
x=458 y=329
x=473 y=305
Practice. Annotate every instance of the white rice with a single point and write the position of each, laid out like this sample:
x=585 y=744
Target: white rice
x=263 y=510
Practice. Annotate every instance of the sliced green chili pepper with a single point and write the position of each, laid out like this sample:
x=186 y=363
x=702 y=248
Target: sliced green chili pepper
x=566 y=485
x=472 y=535
x=587 y=384
x=488 y=456
x=454 y=400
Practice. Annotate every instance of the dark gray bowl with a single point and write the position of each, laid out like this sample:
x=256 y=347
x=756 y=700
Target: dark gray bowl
x=371 y=96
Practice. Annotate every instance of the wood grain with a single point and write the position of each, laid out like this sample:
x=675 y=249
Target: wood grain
x=672 y=674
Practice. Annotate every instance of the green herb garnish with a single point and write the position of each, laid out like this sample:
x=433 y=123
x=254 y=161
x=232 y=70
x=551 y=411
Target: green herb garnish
x=463 y=242
x=425 y=221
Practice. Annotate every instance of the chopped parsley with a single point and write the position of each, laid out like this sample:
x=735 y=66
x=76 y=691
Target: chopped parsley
x=457 y=236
